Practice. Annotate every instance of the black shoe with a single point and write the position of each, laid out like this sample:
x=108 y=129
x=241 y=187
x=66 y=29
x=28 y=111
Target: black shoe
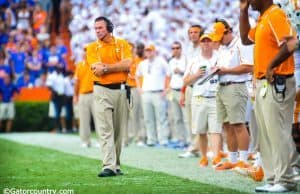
x=119 y=172
x=107 y=173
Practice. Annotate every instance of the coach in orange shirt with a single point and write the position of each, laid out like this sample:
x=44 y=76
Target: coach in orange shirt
x=109 y=58
x=275 y=91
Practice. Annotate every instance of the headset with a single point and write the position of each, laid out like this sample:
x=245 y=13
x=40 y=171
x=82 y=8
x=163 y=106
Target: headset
x=225 y=23
x=109 y=24
x=197 y=26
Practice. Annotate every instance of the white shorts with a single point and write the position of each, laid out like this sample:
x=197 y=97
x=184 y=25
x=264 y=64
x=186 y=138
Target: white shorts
x=7 y=110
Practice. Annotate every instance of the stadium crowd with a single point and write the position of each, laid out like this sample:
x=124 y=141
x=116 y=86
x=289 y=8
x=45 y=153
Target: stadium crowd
x=168 y=97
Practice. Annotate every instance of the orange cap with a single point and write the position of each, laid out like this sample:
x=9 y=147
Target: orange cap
x=150 y=47
x=208 y=36
x=219 y=30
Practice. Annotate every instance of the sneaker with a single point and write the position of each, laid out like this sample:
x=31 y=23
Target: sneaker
x=85 y=145
x=119 y=172
x=216 y=160
x=97 y=145
x=242 y=164
x=223 y=154
x=256 y=173
x=263 y=188
x=107 y=173
x=277 y=188
x=203 y=162
x=140 y=144
x=188 y=155
x=224 y=166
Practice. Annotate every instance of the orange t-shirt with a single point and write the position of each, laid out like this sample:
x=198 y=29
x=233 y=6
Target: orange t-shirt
x=109 y=54
x=84 y=74
x=268 y=36
x=39 y=19
x=131 y=77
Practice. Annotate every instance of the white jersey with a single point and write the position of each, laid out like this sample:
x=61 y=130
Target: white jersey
x=233 y=55
x=207 y=89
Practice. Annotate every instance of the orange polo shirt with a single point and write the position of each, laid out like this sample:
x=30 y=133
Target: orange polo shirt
x=131 y=78
x=109 y=54
x=84 y=74
x=268 y=36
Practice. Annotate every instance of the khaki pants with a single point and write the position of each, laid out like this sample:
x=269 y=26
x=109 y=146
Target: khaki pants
x=86 y=112
x=155 y=116
x=111 y=112
x=178 y=130
x=136 y=129
x=194 y=140
x=274 y=121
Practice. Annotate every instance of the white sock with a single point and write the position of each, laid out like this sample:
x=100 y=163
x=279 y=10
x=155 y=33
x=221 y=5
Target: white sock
x=257 y=160
x=233 y=157
x=243 y=155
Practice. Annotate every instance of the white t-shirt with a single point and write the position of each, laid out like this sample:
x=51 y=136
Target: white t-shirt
x=176 y=78
x=154 y=73
x=208 y=88
x=56 y=82
x=233 y=55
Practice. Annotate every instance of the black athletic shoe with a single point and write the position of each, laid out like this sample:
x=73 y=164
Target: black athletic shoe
x=107 y=173
x=119 y=172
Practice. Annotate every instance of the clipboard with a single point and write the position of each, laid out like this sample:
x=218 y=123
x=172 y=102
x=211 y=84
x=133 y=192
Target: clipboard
x=208 y=76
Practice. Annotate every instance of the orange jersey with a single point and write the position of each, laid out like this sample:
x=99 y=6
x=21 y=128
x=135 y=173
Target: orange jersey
x=272 y=27
x=131 y=77
x=109 y=54
x=39 y=19
x=83 y=75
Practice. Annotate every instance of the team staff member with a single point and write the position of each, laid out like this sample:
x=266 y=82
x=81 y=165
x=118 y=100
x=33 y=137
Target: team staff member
x=109 y=58
x=83 y=95
x=273 y=106
x=193 y=49
x=136 y=129
x=232 y=94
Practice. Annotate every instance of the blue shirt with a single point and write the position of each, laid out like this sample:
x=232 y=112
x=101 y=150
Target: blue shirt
x=18 y=60
x=7 y=92
x=22 y=83
x=4 y=69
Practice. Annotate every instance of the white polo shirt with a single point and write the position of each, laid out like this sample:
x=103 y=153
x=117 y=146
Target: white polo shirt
x=56 y=82
x=207 y=89
x=154 y=73
x=233 y=55
x=176 y=78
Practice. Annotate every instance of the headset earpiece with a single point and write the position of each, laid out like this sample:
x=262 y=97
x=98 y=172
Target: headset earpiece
x=109 y=24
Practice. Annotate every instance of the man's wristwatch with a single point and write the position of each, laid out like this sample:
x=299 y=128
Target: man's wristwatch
x=105 y=70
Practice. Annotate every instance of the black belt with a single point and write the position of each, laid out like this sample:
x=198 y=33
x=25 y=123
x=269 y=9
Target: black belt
x=229 y=83
x=178 y=90
x=88 y=92
x=116 y=86
x=286 y=76
x=208 y=96
x=155 y=91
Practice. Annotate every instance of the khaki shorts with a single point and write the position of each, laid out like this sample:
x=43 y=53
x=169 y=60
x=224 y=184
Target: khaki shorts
x=7 y=110
x=232 y=103
x=204 y=116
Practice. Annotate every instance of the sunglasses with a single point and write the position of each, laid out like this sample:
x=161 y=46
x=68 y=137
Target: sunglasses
x=177 y=48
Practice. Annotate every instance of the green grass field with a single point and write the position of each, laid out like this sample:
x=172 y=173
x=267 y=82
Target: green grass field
x=29 y=167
